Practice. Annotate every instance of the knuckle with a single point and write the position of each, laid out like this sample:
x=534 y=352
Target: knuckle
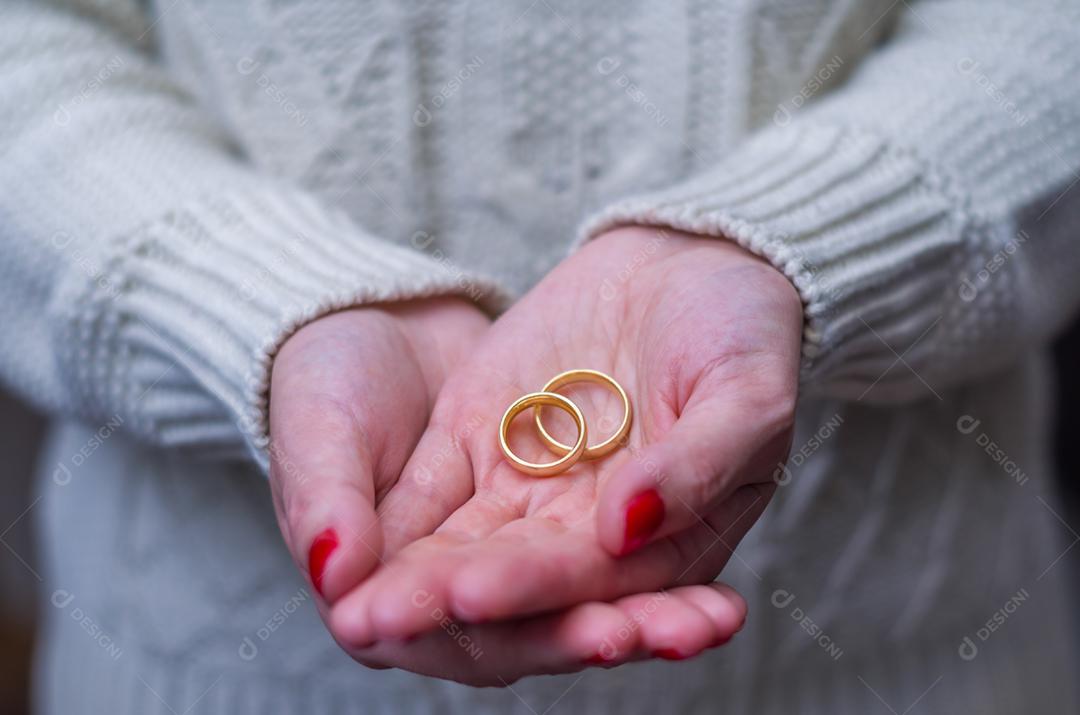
x=778 y=416
x=701 y=484
x=296 y=507
x=769 y=396
x=349 y=632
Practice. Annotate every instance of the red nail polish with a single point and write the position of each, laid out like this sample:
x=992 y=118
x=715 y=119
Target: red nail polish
x=321 y=548
x=644 y=514
x=669 y=654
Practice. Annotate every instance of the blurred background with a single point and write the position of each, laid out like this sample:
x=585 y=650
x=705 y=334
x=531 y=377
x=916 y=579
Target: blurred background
x=21 y=432
x=20 y=435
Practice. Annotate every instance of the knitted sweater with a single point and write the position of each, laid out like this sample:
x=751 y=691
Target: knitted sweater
x=183 y=185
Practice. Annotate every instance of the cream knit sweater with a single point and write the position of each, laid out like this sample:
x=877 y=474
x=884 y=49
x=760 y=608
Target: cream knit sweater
x=182 y=185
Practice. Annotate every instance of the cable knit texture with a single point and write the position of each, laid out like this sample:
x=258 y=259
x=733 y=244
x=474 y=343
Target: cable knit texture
x=184 y=184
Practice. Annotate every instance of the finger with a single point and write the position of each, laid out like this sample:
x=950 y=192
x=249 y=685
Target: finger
x=500 y=653
x=670 y=627
x=436 y=481
x=724 y=606
x=324 y=493
x=730 y=433
x=340 y=420
x=405 y=598
x=411 y=593
x=683 y=622
x=583 y=635
x=441 y=475
x=531 y=567
x=351 y=395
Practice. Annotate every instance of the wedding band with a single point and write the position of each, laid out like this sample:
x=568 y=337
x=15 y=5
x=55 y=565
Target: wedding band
x=571 y=454
x=597 y=450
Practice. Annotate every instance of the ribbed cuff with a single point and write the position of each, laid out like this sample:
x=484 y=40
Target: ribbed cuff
x=179 y=329
x=862 y=230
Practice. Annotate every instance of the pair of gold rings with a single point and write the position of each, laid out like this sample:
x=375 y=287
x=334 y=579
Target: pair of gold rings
x=547 y=397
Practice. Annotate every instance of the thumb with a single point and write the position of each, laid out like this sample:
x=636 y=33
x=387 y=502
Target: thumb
x=350 y=396
x=345 y=411
x=321 y=471
x=723 y=439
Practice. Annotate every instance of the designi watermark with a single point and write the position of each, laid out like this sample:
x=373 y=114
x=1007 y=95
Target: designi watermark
x=63 y=473
x=249 y=66
x=781 y=599
x=969 y=287
x=968 y=425
x=425 y=111
x=62 y=599
x=969 y=649
x=782 y=475
x=249 y=649
x=423 y=599
x=784 y=110
x=62 y=115
x=608 y=66
x=608 y=649
x=972 y=68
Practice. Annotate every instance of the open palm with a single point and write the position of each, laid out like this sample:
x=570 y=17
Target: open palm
x=704 y=337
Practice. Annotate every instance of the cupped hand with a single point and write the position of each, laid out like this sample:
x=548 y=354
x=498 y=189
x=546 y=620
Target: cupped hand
x=350 y=395
x=705 y=339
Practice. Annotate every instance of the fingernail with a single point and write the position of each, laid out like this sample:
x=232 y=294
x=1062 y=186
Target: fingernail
x=597 y=659
x=644 y=514
x=321 y=549
x=669 y=654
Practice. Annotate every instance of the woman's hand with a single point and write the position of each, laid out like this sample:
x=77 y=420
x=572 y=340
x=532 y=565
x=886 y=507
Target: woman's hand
x=705 y=339
x=350 y=395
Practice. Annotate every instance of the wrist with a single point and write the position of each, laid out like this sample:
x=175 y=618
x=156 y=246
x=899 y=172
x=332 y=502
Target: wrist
x=440 y=331
x=642 y=240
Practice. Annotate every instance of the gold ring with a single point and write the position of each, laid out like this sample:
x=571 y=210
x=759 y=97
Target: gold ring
x=572 y=376
x=572 y=454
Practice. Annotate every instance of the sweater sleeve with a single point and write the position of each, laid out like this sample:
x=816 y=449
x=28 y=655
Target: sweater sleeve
x=926 y=209
x=149 y=275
